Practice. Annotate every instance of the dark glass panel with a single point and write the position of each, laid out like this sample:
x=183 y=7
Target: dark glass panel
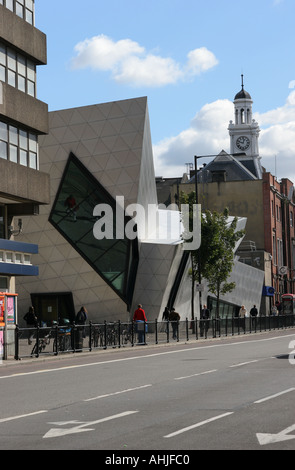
x=72 y=215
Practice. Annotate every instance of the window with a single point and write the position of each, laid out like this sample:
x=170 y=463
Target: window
x=280 y=253
x=4 y=284
x=291 y=219
x=17 y=70
x=274 y=249
x=18 y=146
x=3 y=140
x=18 y=258
x=19 y=8
x=115 y=260
x=22 y=8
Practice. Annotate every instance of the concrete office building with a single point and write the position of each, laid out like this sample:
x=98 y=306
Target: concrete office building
x=23 y=118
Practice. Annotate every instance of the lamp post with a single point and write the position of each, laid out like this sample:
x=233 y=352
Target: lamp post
x=196 y=157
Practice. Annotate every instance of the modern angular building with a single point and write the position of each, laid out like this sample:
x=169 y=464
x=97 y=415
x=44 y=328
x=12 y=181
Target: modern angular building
x=101 y=170
x=23 y=118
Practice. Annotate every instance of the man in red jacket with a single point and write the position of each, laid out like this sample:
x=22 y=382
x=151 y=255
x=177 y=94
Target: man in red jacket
x=140 y=317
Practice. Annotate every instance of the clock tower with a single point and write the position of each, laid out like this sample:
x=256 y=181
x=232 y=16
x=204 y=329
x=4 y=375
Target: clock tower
x=244 y=133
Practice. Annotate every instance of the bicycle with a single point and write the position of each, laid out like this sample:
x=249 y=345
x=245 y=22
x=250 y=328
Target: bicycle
x=97 y=337
x=127 y=335
x=41 y=345
x=63 y=340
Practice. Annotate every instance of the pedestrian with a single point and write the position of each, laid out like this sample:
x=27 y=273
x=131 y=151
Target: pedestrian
x=140 y=318
x=165 y=318
x=174 y=318
x=242 y=316
x=81 y=318
x=279 y=307
x=274 y=311
x=204 y=320
x=253 y=314
x=166 y=314
x=32 y=322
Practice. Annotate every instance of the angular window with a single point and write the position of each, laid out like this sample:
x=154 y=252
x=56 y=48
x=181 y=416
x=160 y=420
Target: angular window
x=115 y=260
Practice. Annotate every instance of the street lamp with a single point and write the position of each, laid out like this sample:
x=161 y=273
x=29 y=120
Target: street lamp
x=196 y=157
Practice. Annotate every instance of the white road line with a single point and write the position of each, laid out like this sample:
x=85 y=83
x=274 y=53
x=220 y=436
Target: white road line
x=4 y=420
x=196 y=375
x=202 y=423
x=147 y=356
x=274 y=396
x=118 y=393
x=243 y=363
x=57 y=432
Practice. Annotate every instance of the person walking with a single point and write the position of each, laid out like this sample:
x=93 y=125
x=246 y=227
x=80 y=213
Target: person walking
x=204 y=320
x=32 y=322
x=165 y=318
x=140 y=319
x=81 y=318
x=242 y=316
x=174 y=318
x=253 y=314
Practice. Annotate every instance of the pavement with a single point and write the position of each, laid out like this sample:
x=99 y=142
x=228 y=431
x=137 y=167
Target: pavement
x=45 y=357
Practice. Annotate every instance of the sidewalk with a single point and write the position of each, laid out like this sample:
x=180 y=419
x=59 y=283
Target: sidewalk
x=45 y=357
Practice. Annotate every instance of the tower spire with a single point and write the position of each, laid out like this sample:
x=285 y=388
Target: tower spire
x=242 y=76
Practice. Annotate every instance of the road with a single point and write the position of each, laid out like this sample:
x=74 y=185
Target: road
x=235 y=393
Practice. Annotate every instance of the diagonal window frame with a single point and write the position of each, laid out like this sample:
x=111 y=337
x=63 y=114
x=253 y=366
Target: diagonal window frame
x=123 y=254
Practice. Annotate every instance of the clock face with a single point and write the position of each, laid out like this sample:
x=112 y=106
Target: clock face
x=243 y=143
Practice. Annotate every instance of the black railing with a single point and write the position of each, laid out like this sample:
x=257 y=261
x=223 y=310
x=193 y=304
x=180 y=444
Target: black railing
x=34 y=342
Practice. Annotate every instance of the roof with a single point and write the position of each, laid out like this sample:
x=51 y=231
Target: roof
x=243 y=94
x=227 y=164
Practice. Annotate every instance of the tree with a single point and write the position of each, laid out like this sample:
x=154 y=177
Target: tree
x=219 y=237
x=214 y=259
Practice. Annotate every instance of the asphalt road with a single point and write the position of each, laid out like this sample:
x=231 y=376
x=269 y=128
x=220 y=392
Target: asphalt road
x=225 y=394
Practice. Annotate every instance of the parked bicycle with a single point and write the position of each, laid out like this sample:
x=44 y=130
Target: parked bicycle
x=126 y=335
x=63 y=338
x=41 y=344
x=97 y=338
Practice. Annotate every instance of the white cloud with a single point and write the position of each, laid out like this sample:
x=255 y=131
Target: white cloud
x=129 y=63
x=208 y=135
x=200 y=60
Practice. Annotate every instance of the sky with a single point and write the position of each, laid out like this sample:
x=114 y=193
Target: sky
x=186 y=57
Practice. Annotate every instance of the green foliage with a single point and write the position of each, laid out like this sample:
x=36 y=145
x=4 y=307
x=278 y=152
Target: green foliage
x=215 y=258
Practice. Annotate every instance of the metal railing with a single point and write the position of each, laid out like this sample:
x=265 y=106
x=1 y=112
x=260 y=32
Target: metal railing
x=34 y=342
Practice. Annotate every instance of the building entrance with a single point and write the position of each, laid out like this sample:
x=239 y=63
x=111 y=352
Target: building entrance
x=55 y=307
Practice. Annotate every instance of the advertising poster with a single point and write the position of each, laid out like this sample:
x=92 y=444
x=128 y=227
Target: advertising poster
x=10 y=303
x=1 y=346
x=2 y=309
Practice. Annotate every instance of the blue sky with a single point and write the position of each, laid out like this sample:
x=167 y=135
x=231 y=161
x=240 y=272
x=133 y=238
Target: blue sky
x=187 y=57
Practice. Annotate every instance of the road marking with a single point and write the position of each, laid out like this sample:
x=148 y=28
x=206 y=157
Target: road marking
x=264 y=439
x=57 y=432
x=22 y=416
x=147 y=356
x=196 y=375
x=274 y=396
x=243 y=363
x=202 y=423
x=118 y=393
